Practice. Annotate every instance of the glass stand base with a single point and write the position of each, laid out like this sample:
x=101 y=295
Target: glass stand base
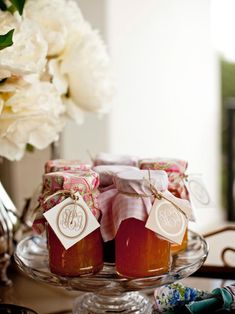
x=131 y=302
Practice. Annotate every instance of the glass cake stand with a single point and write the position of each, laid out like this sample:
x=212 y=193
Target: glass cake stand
x=108 y=292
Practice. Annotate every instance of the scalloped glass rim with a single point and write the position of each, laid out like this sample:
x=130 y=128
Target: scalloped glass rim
x=31 y=256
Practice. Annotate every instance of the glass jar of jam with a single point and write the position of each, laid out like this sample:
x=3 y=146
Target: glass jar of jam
x=139 y=251
x=106 y=174
x=54 y=165
x=86 y=256
x=175 y=170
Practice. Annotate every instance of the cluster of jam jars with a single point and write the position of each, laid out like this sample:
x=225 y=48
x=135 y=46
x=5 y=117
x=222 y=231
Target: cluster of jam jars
x=118 y=193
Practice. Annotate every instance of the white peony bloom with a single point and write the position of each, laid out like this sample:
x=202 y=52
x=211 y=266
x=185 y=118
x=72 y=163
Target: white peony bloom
x=33 y=114
x=56 y=19
x=4 y=74
x=7 y=21
x=86 y=65
x=57 y=67
x=73 y=111
x=59 y=80
x=29 y=51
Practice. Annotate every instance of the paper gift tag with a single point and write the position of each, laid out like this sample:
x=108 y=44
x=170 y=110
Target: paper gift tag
x=184 y=205
x=198 y=194
x=168 y=221
x=71 y=220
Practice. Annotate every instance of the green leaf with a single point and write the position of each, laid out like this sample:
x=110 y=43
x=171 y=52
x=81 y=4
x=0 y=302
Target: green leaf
x=19 y=5
x=29 y=148
x=11 y=9
x=6 y=40
x=3 y=6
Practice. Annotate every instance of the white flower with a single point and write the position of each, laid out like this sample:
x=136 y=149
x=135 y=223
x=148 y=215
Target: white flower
x=79 y=63
x=86 y=65
x=28 y=53
x=56 y=19
x=57 y=67
x=33 y=114
x=4 y=74
x=58 y=79
x=73 y=111
x=7 y=21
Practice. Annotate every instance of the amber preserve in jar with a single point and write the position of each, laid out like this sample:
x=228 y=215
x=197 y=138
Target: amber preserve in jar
x=85 y=256
x=106 y=174
x=175 y=169
x=140 y=252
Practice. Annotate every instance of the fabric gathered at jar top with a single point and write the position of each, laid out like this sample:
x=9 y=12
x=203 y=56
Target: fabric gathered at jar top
x=110 y=159
x=131 y=197
x=65 y=165
x=175 y=169
x=107 y=172
x=84 y=182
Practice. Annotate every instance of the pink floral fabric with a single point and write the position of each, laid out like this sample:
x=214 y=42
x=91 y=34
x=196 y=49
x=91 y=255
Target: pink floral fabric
x=175 y=169
x=65 y=165
x=84 y=182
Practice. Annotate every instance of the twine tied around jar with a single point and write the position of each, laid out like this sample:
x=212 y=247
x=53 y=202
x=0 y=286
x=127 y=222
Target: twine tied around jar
x=154 y=193
x=160 y=195
x=65 y=193
x=72 y=194
x=39 y=220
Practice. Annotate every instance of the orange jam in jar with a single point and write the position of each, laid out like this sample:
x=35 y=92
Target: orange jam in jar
x=86 y=256
x=139 y=251
x=175 y=170
x=175 y=248
x=106 y=174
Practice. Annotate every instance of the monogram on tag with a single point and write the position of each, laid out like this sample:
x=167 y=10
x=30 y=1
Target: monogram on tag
x=198 y=193
x=71 y=220
x=168 y=221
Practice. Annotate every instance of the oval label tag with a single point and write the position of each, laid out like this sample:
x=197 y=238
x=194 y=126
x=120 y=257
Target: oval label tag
x=169 y=218
x=71 y=220
x=167 y=221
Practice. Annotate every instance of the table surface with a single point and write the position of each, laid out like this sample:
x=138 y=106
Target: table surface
x=47 y=299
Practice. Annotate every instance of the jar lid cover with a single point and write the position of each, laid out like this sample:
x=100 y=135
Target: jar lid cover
x=106 y=172
x=82 y=181
x=113 y=159
x=140 y=181
x=166 y=164
x=64 y=165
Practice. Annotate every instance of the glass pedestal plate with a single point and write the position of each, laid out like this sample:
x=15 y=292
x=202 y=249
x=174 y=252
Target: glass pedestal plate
x=106 y=291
